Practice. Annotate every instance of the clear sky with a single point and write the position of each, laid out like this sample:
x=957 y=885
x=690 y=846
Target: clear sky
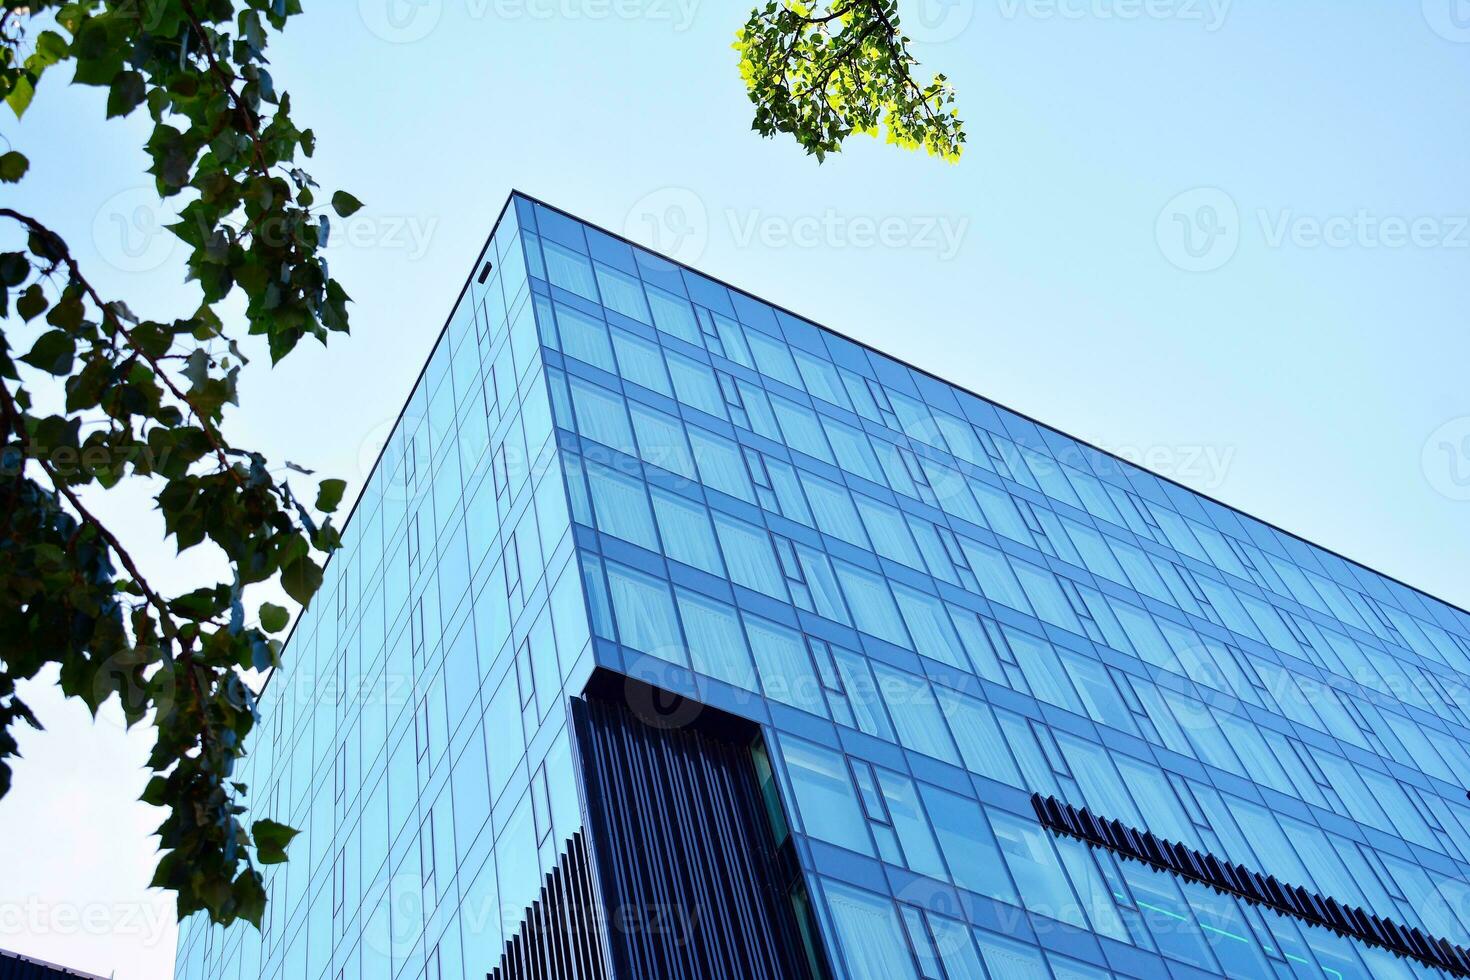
x=1226 y=239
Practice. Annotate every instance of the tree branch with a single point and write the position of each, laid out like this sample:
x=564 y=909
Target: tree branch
x=115 y=322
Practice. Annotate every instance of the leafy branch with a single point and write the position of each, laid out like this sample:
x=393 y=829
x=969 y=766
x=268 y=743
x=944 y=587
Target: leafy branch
x=826 y=69
x=142 y=401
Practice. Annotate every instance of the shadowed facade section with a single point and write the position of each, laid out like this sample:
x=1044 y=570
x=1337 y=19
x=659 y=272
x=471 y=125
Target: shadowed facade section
x=14 y=966
x=697 y=871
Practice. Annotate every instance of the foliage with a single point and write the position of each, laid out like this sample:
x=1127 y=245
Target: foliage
x=94 y=399
x=825 y=69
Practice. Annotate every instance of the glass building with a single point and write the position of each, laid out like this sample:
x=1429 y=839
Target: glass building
x=918 y=633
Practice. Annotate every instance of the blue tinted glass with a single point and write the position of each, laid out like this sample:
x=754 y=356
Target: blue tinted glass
x=569 y=270
x=622 y=293
x=825 y=798
x=687 y=534
x=868 y=933
x=716 y=641
x=645 y=613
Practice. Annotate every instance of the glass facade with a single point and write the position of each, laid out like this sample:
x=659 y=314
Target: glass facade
x=933 y=607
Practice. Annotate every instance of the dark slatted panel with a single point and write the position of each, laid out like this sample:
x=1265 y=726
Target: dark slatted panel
x=1253 y=886
x=693 y=884
x=13 y=966
x=560 y=937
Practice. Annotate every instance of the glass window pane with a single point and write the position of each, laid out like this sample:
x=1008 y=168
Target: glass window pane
x=622 y=293
x=869 y=935
x=570 y=270
x=621 y=506
x=645 y=613
x=687 y=534
x=716 y=642
x=825 y=798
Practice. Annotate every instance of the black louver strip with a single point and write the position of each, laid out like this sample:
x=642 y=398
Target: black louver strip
x=560 y=937
x=694 y=884
x=14 y=966
x=1254 y=887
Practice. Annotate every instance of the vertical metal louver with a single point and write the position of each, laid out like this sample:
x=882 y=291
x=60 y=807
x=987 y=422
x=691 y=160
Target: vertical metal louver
x=560 y=937
x=685 y=869
x=694 y=881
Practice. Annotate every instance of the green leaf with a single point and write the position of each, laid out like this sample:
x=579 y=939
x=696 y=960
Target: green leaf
x=84 y=389
x=345 y=204
x=51 y=47
x=14 y=267
x=127 y=91
x=67 y=313
x=330 y=495
x=21 y=95
x=32 y=302
x=273 y=618
x=13 y=166
x=52 y=352
x=156 y=792
x=301 y=578
x=271 y=839
x=248 y=894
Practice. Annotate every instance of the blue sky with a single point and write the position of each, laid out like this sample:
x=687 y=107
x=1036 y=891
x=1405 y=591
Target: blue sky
x=1226 y=239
